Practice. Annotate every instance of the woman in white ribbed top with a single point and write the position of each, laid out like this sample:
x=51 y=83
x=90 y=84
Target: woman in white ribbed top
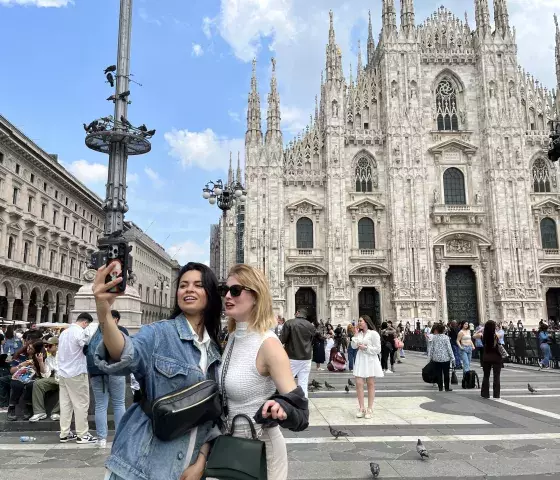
x=258 y=365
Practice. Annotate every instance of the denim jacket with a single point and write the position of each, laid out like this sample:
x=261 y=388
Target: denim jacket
x=163 y=358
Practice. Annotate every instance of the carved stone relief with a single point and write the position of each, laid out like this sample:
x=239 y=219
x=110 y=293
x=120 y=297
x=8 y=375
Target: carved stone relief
x=457 y=246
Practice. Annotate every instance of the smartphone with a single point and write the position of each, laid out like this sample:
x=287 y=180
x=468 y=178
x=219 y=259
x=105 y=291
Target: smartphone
x=118 y=252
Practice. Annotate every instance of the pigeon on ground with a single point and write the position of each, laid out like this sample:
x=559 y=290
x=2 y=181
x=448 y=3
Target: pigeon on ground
x=421 y=449
x=328 y=385
x=337 y=433
x=112 y=68
x=375 y=470
x=531 y=389
x=311 y=389
x=351 y=383
x=346 y=389
x=316 y=384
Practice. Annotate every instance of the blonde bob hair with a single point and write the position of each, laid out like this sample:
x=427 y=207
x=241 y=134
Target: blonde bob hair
x=262 y=315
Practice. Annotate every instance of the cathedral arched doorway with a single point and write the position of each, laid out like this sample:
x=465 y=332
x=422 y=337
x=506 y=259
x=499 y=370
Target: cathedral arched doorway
x=369 y=304
x=553 y=304
x=307 y=298
x=460 y=286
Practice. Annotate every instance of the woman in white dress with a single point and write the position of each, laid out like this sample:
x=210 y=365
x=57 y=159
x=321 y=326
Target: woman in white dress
x=366 y=365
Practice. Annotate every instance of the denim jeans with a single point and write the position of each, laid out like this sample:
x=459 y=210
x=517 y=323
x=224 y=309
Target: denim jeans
x=457 y=355
x=466 y=356
x=351 y=357
x=545 y=349
x=104 y=386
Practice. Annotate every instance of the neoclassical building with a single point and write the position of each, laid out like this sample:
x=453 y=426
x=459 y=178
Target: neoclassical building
x=421 y=188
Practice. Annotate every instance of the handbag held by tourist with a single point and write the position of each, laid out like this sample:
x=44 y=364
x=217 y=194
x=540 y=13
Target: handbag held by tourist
x=454 y=379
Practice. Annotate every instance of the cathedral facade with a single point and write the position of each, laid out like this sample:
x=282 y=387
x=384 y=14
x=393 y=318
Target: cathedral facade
x=421 y=188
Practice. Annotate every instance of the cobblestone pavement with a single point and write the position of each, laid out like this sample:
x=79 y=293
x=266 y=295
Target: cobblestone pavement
x=515 y=438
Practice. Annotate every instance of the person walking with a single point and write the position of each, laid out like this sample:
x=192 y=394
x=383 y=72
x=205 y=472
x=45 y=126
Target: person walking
x=297 y=337
x=492 y=360
x=465 y=344
x=164 y=357
x=544 y=344
x=73 y=381
x=452 y=332
x=367 y=342
x=441 y=353
x=388 y=335
x=42 y=386
x=318 y=347
x=105 y=386
x=350 y=332
x=255 y=366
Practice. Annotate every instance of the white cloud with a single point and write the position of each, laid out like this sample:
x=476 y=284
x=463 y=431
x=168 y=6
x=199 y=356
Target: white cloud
x=88 y=173
x=38 y=3
x=143 y=14
x=190 y=251
x=154 y=177
x=197 y=50
x=132 y=178
x=234 y=116
x=207 y=25
x=204 y=149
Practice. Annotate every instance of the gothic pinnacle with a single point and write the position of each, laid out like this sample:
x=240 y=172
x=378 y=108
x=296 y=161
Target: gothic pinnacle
x=482 y=14
x=230 y=171
x=360 y=67
x=501 y=17
x=407 y=16
x=238 y=168
x=389 y=18
x=254 y=110
x=370 y=43
x=273 y=117
x=557 y=64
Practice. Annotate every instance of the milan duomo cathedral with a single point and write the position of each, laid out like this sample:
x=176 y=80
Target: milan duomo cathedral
x=421 y=189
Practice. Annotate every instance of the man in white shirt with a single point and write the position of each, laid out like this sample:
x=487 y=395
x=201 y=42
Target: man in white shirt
x=73 y=381
x=42 y=386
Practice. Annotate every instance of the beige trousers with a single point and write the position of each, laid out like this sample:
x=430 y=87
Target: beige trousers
x=276 y=452
x=74 y=398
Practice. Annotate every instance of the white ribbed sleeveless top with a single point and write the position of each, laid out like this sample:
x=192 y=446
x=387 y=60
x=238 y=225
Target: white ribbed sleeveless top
x=246 y=388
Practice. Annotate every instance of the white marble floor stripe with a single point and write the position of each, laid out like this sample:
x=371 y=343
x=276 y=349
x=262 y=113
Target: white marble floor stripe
x=552 y=395
x=528 y=409
x=456 y=389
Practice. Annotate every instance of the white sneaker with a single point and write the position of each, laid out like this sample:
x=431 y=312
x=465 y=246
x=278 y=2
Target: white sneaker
x=87 y=438
x=369 y=413
x=360 y=414
x=37 y=417
x=102 y=443
x=388 y=371
x=55 y=417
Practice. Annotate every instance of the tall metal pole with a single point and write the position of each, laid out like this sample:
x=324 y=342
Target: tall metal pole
x=115 y=202
x=224 y=248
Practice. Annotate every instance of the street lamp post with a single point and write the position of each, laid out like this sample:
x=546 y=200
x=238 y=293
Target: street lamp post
x=161 y=283
x=226 y=197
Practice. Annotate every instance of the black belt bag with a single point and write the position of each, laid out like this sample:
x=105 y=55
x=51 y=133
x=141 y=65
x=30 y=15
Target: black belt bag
x=174 y=414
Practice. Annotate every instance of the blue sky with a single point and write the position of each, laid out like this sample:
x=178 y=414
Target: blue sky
x=193 y=59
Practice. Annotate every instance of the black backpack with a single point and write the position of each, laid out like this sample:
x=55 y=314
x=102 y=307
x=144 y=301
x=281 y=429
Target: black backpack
x=470 y=380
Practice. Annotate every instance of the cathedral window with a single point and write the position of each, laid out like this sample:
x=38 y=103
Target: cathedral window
x=364 y=175
x=304 y=233
x=454 y=187
x=549 y=236
x=446 y=107
x=541 y=176
x=366 y=234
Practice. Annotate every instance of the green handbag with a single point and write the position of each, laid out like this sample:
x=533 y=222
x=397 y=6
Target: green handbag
x=234 y=458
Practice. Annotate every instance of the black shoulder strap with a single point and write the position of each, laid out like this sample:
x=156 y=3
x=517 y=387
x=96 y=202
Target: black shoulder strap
x=223 y=377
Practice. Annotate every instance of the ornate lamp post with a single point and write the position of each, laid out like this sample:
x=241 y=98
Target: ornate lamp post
x=226 y=197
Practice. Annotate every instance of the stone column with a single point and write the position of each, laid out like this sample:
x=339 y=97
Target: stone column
x=60 y=315
x=25 y=311
x=444 y=270
x=479 y=293
x=10 y=313
x=52 y=309
x=38 y=313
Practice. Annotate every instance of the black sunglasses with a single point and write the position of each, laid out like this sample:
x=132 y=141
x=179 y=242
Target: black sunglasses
x=234 y=290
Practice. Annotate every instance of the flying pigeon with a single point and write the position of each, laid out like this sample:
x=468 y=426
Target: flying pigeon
x=328 y=385
x=421 y=449
x=112 y=68
x=112 y=98
x=111 y=79
x=337 y=433
x=124 y=121
x=143 y=128
x=346 y=389
x=351 y=383
x=375 y=470
x=531 y=389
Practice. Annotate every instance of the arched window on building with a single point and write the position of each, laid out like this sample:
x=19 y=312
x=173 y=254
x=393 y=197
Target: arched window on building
x=304 y=233
x=454 y=187
x=366 y=234
x=541 y=176
x=446 y=106
x=364 y=175
x=11 y=248
x=549 y=236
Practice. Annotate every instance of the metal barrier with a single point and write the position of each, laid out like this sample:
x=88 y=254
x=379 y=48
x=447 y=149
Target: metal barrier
x=523 y=347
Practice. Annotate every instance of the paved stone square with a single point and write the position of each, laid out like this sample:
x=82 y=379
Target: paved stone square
x=517 y=438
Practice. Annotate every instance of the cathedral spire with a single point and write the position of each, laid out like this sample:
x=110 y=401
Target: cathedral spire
x=334 y=57
x=501 y=17
x=360 y=66
x=407 y=16
x=389 y=18
x=316 y=110
x=230 y=171
x=557 y=66
x=239 y=168
x=482 y=15
x=273 y=116
x=370 y=43
x=254 y=132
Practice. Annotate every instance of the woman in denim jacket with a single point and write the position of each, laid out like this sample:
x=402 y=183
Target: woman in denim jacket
x=164 y=357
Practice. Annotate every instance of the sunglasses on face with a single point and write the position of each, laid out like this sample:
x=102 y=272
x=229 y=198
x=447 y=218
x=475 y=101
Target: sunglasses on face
x=234 y=290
